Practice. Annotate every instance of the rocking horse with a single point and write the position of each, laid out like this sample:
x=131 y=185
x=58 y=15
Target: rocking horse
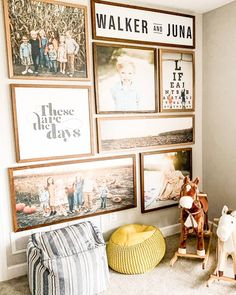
x=226 y=245
x=194 y=218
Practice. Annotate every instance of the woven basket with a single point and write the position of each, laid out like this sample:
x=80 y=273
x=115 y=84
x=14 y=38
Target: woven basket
x=136 y=258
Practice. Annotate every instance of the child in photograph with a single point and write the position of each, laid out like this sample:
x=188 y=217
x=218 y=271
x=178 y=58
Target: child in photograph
x=70 y=189
x=52 y=55
x=61 y=55
x=103 y=194
x=78 y=194
x=72 y=48
x=44 y=60
x=26 y=55
x=53 y=39
x=124 y=92
x=35 y=50
x=61 y=197
x=88 y=188
x=52 y=195
x=44 y=201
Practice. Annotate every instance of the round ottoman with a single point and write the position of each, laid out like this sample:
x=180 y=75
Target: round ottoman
x=135 y=248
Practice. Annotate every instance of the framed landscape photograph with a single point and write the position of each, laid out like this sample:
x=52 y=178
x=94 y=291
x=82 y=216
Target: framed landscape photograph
x=120 y=82
x=162 y=175
x=51 y=121
x=177 y=80
x=46 y=194
x=125 y=133
x=46 y=40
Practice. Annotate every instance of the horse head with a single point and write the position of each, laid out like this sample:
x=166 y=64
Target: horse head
x=189 y=193
x=227 y=224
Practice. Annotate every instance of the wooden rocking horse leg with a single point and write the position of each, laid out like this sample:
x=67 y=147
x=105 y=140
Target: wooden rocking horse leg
x=174 y=259
x=200 y=243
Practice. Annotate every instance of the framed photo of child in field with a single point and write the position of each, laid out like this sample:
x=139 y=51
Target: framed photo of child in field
x=51 y=121
x=162 y=175
x=46 y=194
x=125 y=78
x=46 y=40
x=177 y=85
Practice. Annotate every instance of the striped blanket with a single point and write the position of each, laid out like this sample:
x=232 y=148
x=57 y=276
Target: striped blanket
x=68 y=261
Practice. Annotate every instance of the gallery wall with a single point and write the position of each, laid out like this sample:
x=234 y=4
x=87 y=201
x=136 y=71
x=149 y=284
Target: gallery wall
x=12 y=245
x=219 y=104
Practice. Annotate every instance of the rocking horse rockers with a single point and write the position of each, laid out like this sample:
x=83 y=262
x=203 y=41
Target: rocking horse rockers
x=194 y=208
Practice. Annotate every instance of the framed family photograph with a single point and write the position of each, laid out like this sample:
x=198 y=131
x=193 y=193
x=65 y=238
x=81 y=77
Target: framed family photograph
x=46 y=39
x=120 y=82
x=46 y=194
x=125 y=133
x=51 y=121
x=177 y=80
x=162 y=175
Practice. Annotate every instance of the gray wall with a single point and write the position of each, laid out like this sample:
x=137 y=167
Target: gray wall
x=219 y=107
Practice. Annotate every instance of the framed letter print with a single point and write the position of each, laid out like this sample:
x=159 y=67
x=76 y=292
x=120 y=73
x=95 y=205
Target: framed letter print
x=128 y=23
x=162 y=174
x=177 y=91
x=51 y=121
x=46 y=40
x=125 y=133
x=125 y=78
x=45 y=194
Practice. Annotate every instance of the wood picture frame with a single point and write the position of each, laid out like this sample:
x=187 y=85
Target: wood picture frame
x=162 y=174
x=51 y=121
x=120 y=84
x=176 y=80
x=144 y=132
x=135 y=24
x=51 y=193
x=42 y=45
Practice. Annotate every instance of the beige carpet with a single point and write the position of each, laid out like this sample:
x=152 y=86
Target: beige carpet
x=185 y=277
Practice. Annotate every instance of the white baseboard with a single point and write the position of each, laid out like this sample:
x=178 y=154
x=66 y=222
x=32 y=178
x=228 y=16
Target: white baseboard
x=16 y=271
x=170 y=230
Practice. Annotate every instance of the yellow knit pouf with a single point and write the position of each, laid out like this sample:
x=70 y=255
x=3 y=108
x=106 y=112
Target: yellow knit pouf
x=135 y=248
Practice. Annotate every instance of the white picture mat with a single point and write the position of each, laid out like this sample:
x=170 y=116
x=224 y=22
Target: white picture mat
x=36 y=144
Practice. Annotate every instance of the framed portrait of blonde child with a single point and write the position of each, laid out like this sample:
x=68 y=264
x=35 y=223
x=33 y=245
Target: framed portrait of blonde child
x=125 y=78
x=162 y=175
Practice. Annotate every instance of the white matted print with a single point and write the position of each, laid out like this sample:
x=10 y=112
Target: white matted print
x=121 y=85
x=119 y=133
x=51 y=121
x=176 y=80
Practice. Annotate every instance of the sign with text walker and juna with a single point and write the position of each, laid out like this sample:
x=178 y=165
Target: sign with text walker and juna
x=120 y=22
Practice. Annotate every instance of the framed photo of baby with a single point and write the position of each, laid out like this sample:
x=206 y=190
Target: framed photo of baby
x=58 y=192
x=46 y=40
x=125 y=78
x=162 y=175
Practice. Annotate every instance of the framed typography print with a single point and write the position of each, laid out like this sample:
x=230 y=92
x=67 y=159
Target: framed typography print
x=177 y=85
x=51 y=121
x=46 y=194
x=128 y=23
x=162 y=175
x=125 y=133
x=121 y=85
x=46 y=40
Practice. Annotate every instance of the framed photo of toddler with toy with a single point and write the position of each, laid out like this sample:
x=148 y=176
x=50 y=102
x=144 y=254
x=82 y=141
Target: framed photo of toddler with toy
x=162 y=175
x=177 y=80
x=51 y=122
x=46 y=40
x=47 y=194
x=125 y=78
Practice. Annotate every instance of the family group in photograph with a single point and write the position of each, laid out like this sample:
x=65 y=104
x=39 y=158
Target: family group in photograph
x=48 y=53
x=76 y=197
